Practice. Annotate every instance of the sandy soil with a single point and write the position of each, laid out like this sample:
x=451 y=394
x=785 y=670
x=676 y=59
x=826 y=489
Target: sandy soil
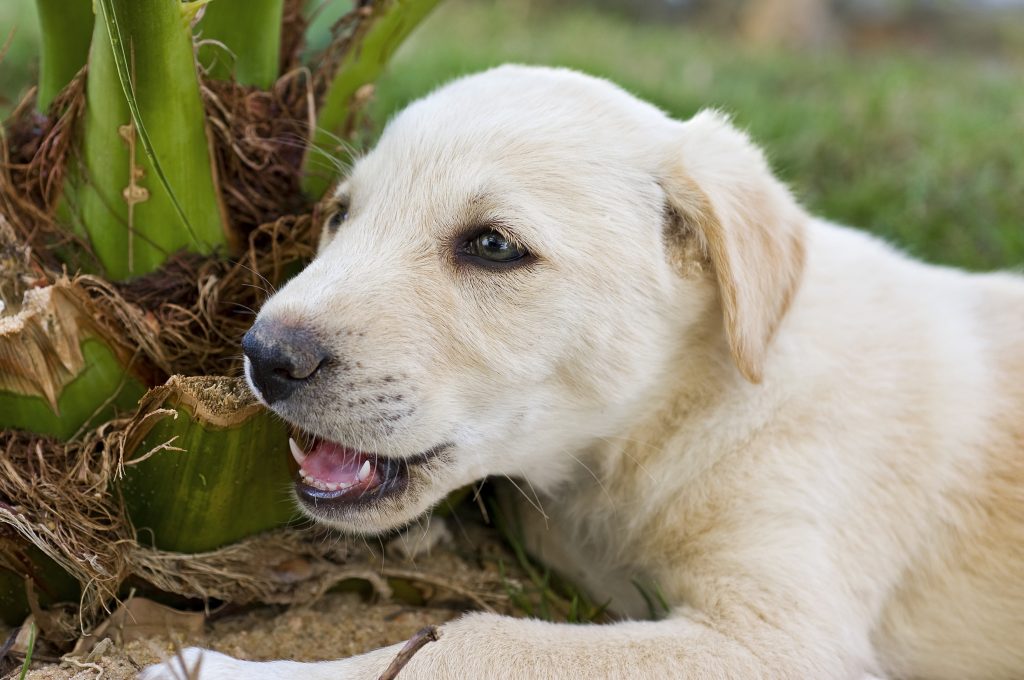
x=341 y=624
x=471 y=570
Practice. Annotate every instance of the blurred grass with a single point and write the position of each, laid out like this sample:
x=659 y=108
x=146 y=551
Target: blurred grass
x=926 y=150
x=19 y=32
x=923 y=148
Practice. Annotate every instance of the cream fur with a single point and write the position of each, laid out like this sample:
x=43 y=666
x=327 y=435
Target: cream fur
x=811 y=443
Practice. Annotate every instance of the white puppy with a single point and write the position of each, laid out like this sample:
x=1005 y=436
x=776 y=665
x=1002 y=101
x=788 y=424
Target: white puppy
x=811 y=445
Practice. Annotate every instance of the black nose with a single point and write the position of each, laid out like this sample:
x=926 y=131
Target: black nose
x=282 y=358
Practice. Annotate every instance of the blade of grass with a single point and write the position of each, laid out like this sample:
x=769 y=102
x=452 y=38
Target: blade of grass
x=552 y=592
x=646 y=596
x=656 y=603
x=28 y=654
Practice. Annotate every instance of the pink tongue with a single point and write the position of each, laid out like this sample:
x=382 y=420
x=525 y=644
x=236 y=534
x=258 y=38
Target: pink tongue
x=333 y=463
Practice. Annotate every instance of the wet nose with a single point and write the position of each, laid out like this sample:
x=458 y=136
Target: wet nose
x=282 y=358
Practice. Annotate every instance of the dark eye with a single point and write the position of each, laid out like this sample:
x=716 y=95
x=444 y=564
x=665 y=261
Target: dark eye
x=337 y=217
x=493 y=246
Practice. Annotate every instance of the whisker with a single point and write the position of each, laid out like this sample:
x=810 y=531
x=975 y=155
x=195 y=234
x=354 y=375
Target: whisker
x=592 y=474
x=536 y=504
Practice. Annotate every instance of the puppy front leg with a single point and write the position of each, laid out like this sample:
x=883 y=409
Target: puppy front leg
x=491 y=646
x=769 y=605
x=760 y=609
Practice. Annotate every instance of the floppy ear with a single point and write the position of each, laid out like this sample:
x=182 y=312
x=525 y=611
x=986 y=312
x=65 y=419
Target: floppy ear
x=723 y=198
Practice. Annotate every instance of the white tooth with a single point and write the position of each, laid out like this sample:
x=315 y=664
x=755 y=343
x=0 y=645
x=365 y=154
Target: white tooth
x=364 y=471
x=345 y=485
x=297 y=453
x=332 y=487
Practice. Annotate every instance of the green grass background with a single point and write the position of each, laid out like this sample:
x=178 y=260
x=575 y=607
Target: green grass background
x=923 y=148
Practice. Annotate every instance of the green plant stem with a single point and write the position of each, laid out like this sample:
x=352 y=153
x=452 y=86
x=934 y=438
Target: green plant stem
x=133 y=222
x=249 y=33
x=65 y=31
x=364 y=60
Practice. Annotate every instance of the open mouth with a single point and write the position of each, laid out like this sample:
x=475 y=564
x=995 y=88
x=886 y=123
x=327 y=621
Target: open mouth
x=331 y=474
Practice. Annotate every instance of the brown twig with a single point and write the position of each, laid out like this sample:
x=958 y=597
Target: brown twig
x=405 y=654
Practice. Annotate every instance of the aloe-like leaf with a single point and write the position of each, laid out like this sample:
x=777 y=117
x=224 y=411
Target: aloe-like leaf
x=148 y=187
x=211 y=468
x=64 y=36
x=242 y=39
x=375 y=38
x=59 y=369
x=126 y=74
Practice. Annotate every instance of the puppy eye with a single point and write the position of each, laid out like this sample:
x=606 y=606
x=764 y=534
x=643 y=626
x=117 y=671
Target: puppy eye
x=493 y=246
x=337 y=218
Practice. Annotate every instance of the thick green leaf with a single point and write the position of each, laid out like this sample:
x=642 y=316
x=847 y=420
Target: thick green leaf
x=65 y=31
x=242 y=39
x=102 y=388
x=59 y=367
x=232 y=479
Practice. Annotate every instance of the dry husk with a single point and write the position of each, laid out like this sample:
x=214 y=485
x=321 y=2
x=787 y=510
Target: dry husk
x=40 y=344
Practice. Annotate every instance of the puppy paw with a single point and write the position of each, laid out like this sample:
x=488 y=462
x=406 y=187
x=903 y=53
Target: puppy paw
x=203 y=664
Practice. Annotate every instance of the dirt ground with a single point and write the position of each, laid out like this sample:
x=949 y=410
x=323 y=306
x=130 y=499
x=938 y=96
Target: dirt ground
x=456 y=566
x=339 y=625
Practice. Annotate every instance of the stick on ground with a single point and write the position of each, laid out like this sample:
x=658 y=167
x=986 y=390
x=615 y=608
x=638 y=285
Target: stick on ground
x=405 y=654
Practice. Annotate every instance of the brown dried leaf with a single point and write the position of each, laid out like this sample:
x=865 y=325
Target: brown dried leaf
x=40 y=344
x=138 y=619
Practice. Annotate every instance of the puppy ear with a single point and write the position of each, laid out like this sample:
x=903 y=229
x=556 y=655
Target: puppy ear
x=723 y=198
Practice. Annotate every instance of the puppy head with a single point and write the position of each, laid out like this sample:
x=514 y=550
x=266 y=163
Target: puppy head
x=505 y=279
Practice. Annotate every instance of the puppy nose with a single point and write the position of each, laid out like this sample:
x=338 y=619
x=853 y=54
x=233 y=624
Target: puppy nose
x=282 y=358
